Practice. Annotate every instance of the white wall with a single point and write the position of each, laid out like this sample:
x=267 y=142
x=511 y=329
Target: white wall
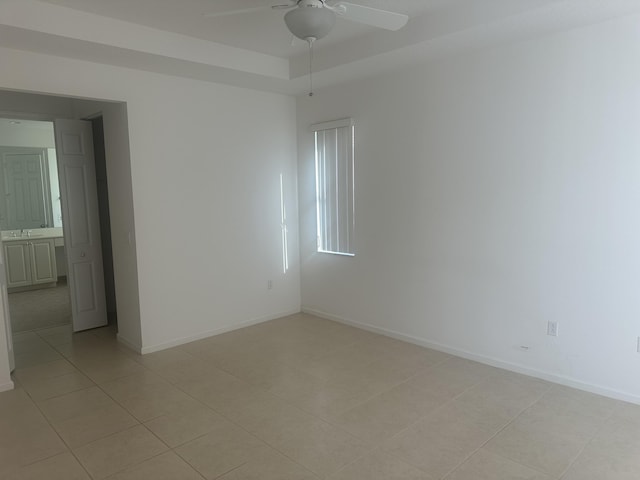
x=495 y=192
x=208 y=207
x=34 y=107
x=205 y=164
x=27 y=134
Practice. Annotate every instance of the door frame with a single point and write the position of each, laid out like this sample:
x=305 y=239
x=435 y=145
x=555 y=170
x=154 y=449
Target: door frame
x=50 y=120
x=117 y=140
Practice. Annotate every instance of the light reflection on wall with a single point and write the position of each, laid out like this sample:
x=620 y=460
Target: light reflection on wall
x=283 y=226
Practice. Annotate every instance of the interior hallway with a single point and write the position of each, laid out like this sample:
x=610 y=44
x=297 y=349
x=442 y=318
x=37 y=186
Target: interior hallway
x=297 y=398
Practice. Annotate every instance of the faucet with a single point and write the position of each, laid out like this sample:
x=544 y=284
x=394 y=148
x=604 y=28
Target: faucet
x=22 y=232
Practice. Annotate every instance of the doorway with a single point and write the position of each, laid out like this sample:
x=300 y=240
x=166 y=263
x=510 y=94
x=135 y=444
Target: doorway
x=46 y=107
x=36 y=260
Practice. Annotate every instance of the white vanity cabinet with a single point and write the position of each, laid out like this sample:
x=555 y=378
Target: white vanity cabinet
x=30 y=262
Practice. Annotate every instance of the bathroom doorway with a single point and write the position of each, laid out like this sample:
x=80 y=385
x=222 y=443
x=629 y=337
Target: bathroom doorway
x=31 y=225
x=32 y=230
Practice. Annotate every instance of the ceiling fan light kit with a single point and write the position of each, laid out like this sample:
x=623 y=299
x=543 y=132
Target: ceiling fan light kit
x=310 y=21
x=316 y=18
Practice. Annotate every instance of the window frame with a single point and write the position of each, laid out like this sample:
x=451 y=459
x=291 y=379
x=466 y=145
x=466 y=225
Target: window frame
x=348 y=179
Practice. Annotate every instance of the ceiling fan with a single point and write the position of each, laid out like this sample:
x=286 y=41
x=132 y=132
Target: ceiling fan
x=314 y=19
x=311 y=20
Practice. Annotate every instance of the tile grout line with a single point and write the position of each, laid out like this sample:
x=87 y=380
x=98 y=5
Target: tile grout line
x=593 y=437
x=379 y=446
x=376 y=447
x=69 y=449
x=99 y=386
x=173 y=449
x=509 y=423
x=395 y=385
x=139 y=423
x=226 y=418
x=37 y=406
x=452 y=401
x=576 y=456
x=328 y=421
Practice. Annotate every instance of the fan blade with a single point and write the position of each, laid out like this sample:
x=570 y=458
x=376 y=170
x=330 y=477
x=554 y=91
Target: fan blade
x=283 y=6
x=370 y=16
x=237 y=12
x=250 y=10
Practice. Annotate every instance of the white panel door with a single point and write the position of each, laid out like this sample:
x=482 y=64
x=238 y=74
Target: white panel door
x=80 y=223
x=25 y=177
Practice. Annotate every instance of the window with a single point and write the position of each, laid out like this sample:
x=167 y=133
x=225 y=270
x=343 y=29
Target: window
x=334 y=186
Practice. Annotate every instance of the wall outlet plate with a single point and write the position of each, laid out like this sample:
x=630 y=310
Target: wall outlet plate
x=552 y=329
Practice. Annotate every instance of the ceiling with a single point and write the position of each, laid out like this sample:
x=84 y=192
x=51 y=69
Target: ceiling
x=262 y=31
x=255 y=50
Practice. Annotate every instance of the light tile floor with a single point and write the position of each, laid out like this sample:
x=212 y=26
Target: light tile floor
x=294 y=399
x=42 y=308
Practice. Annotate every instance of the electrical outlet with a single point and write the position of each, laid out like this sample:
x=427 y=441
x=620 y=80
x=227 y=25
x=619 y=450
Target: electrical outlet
x=552 y=329
x=269 y=284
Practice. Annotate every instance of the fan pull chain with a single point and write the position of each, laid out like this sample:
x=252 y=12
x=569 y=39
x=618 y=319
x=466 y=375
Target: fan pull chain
x=311 y=40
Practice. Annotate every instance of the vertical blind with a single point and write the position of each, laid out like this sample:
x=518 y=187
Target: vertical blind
x=334 y=186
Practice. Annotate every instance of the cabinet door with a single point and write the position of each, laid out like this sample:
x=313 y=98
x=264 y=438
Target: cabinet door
x=18 y=264
x=43 y=262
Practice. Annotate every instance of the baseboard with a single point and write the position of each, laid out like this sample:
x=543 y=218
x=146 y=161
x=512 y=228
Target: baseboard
x=213 y=333
x=130 y=345
x=5 y=387
x=30 y=288
x=494 y=362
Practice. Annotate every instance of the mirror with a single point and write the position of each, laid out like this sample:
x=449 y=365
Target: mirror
x=29 y=189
